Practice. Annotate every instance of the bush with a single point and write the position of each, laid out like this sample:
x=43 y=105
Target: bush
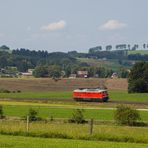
x=1 y=112
x=126 y=115
x=4 y=91
x=33 y=115
x=77 y=117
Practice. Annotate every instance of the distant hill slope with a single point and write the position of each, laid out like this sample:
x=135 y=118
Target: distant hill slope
x=109 y=63
x=142 y=52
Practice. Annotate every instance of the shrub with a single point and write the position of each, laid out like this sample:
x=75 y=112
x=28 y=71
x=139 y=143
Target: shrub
x=126 y=115
x=1 y=112
x=51 y=118
x=77 y=117
x=4 y=91
x=33 y=115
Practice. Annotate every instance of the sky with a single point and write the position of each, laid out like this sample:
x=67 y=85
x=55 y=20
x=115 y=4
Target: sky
x=66 y=25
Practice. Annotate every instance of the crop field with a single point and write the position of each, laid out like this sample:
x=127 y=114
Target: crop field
x=48 y=84
x=23 y=142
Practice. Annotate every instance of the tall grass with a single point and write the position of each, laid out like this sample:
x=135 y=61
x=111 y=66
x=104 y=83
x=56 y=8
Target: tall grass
x=76 y=131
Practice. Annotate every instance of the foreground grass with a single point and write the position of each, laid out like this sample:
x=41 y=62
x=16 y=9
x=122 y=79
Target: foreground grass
x=75 y=131
x=23 y=142
x=114 y=96
x=63 y=112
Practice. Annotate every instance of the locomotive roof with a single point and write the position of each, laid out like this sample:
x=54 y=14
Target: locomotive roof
x=89 y=90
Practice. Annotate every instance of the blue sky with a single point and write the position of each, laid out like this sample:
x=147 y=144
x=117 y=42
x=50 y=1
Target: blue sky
x=65 y=25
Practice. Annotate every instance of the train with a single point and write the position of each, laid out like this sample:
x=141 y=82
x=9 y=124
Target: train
x=91 y=95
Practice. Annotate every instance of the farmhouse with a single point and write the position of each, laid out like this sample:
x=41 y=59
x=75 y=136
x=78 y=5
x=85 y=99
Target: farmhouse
x=114 y=75
x=82 y=74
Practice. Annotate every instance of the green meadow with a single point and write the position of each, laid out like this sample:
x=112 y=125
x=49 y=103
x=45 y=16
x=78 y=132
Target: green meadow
x=23 y=142
x=64 y=112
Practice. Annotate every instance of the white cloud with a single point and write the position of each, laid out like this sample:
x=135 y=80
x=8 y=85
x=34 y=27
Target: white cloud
x=112 y=25
x=54 y=26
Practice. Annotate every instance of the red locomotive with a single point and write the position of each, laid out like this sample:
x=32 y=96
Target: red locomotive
x=89 y=94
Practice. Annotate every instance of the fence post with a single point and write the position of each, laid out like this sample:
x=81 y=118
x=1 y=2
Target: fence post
x=27 y=124
x=91 y=126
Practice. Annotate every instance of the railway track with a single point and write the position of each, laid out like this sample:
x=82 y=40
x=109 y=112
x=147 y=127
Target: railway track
x=70 y=100
x=129 y=102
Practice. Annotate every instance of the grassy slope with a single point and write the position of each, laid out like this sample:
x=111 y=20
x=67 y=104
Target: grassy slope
x=23 y=142
x=142 y=52
x=102 y=63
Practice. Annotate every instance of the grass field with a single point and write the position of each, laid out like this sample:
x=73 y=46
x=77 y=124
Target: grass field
x=117 y=95
x=64 y=112
x=23 y=142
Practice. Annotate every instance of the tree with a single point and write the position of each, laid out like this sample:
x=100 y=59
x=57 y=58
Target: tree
x=95 y=49
x=54 y=71
x=138 y=78
x=4 y=47
x=40 y=71
x=126 y=115
x=108 y=47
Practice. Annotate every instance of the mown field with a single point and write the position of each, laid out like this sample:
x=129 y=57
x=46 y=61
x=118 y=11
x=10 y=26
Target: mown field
x=65 y=111
x=23 y=142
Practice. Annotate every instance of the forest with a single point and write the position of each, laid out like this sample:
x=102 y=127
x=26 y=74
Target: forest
x=63 y=64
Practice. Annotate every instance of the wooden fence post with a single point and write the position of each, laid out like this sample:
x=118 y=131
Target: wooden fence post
x=27 y=124
x=91 y=126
